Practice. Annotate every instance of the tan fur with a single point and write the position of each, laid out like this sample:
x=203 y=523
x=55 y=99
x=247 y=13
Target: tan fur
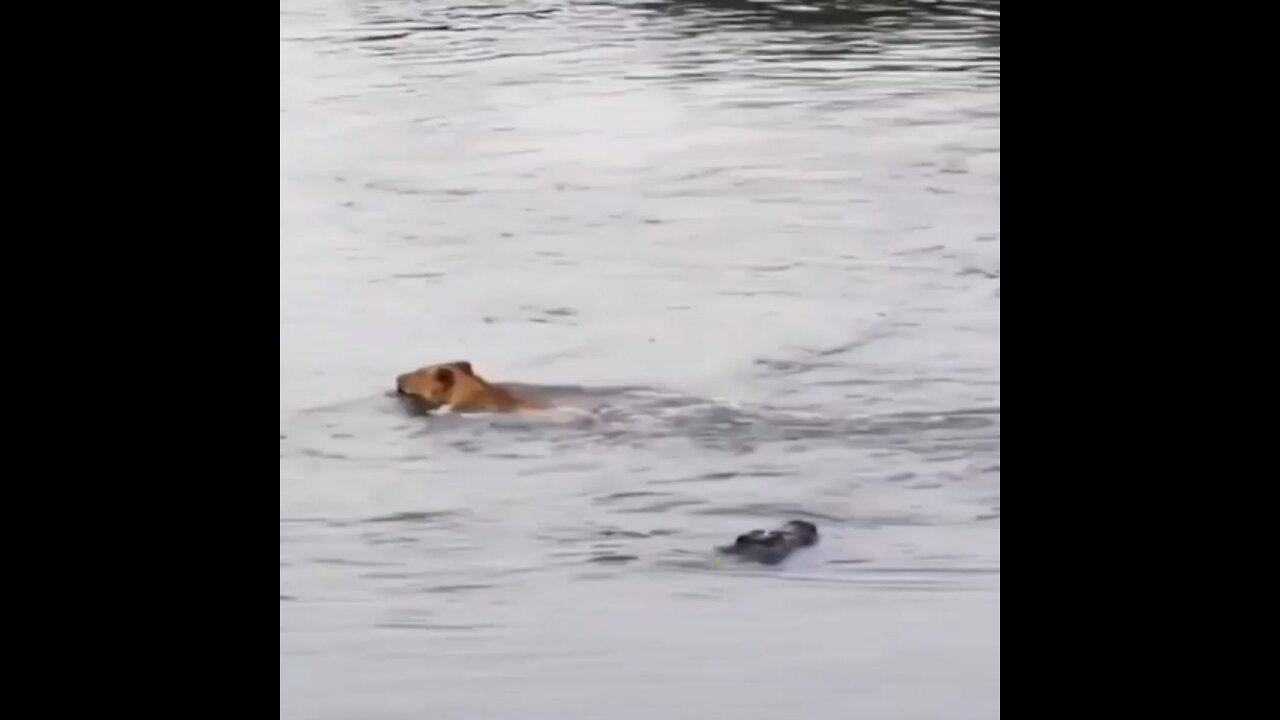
x=455 y=384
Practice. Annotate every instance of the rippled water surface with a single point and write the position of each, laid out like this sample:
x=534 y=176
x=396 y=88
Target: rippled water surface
x=758 y=242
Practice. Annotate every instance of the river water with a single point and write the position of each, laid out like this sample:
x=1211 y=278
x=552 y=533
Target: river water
x=758 y=241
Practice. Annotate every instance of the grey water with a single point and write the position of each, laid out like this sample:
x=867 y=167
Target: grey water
x=758 y=242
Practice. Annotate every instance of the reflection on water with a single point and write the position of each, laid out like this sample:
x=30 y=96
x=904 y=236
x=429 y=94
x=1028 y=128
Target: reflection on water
x=757 y=242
